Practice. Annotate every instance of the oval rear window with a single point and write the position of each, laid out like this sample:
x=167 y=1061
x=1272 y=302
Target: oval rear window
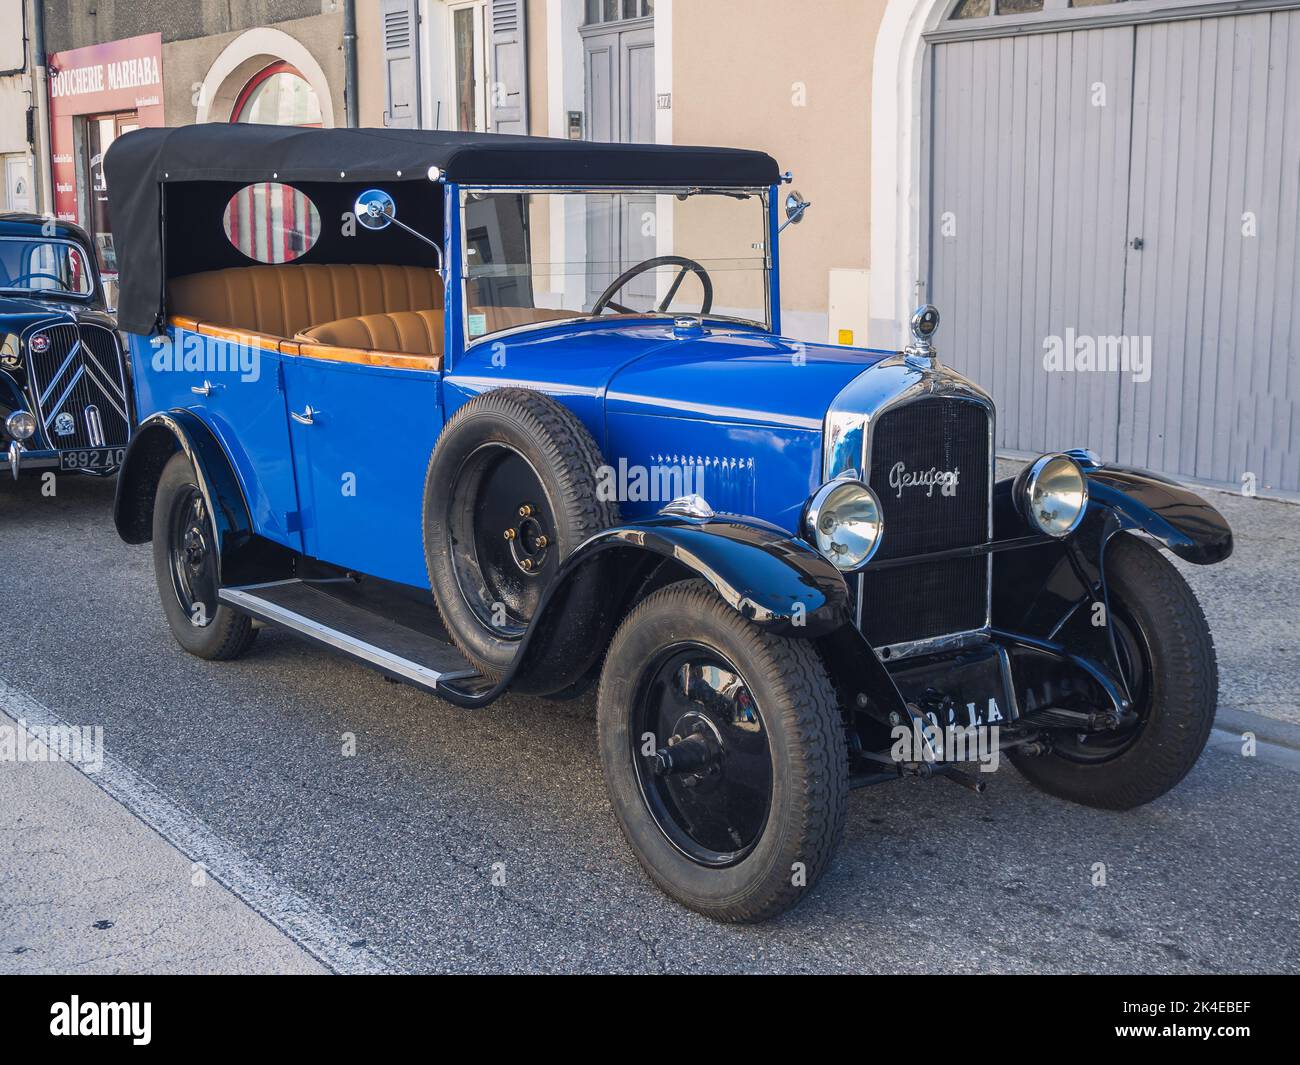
x=271 y=222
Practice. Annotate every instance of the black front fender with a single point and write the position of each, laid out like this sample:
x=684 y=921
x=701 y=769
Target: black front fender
x=767 y=576
x=242 y=556
x=1175 y=516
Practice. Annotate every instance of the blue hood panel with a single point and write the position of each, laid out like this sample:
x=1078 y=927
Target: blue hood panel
x=742 y=408
x=738 y=376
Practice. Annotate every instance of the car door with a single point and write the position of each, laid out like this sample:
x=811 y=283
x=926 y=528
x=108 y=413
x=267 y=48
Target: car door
x=236 y=383
x=362 y=436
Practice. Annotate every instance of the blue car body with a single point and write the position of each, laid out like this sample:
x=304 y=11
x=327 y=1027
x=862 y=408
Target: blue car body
x=325 y=461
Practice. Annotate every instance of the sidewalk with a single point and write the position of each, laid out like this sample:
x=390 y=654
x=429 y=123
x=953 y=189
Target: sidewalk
x=86 y=887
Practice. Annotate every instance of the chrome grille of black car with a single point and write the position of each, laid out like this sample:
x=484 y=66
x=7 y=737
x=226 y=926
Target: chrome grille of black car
x=80 y=375
x=916 y=602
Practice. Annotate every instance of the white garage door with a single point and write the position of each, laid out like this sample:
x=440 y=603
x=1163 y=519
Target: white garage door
x=1113 y=231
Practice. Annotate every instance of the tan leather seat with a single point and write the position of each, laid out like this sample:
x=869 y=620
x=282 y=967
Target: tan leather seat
x=284 y=299
x=411 y=332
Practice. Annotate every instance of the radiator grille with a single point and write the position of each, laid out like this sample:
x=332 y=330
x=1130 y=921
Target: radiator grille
x=79 y=386
x=915 y=450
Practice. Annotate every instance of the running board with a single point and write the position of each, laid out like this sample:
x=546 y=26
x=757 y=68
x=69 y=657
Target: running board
x=392 y=648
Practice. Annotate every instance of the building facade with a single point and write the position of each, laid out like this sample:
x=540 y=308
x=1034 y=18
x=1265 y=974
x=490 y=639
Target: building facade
x=1100 y=195
x=115 y=66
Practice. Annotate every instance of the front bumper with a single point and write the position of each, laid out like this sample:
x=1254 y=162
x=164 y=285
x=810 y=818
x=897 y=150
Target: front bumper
x=22 y=460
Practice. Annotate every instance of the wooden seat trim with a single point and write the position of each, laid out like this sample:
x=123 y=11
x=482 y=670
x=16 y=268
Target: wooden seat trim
x=393 y=360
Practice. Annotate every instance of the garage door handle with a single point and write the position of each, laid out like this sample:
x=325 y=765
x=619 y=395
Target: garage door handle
x=307 y=417
x=1137 y=243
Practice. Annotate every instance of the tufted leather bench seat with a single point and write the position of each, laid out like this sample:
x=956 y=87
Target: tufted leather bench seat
x=283 y=300
x=412 y=332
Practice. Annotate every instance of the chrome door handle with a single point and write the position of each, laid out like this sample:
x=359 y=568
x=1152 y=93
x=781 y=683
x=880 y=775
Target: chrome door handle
x=205 y=389
x=307 y=417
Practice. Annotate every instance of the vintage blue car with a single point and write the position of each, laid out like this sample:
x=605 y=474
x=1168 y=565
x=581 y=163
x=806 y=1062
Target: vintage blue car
x=492 y=413
x=63 y=375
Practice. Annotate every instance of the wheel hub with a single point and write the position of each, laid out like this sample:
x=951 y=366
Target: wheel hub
x=528 y=540
x=707 y=780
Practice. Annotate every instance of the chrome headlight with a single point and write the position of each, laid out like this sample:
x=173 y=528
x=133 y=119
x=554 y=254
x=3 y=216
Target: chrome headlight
x=1052 y=494
x=20 y=425
x=844 y=520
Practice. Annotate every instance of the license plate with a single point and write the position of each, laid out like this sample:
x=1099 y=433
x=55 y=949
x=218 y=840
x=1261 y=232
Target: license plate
x=94 y=458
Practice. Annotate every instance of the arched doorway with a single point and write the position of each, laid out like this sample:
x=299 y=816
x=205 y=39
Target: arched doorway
x=264 y=75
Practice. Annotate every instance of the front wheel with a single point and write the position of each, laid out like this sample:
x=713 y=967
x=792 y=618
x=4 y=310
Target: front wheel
x=1167 y=653
x=724 y=755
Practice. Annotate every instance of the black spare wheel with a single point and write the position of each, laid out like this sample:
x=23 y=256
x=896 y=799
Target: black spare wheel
x=510 y=492
x=724 y=754
x=185 y=560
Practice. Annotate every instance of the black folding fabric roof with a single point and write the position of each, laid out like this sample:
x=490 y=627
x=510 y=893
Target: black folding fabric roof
x=140 y=163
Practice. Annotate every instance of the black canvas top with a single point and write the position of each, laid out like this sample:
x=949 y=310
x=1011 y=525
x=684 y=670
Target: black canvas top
x=139 y=164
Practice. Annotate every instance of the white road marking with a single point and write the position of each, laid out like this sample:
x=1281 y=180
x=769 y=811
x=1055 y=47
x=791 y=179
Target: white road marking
x=312 y=929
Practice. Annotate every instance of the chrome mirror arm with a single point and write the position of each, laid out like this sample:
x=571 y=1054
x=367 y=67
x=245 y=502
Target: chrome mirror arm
x=416 y=233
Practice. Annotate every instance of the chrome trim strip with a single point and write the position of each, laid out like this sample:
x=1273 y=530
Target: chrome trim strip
x=54 y=378
x=53 y=412
x=340 y=641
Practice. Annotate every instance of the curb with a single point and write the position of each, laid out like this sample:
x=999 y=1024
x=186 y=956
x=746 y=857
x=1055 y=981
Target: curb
x=1269 y=729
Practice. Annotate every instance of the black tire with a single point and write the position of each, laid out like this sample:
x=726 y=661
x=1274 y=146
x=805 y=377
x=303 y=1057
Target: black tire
x=186 y=571
x=503 y=443
x=1169 y=639
x=794 y=704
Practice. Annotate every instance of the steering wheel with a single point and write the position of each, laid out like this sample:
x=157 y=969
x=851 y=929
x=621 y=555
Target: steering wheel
x=606 y=298
x=13 y=281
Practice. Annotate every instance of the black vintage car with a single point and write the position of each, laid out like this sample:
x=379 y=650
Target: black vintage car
x=63 y=374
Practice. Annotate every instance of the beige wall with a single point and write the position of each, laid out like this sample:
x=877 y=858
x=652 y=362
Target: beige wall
x=370 y=64
x=537 y=101
x=778 y=77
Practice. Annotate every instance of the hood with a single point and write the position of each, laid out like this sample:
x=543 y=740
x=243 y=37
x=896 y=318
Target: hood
x=17 y=312
x=738 y=376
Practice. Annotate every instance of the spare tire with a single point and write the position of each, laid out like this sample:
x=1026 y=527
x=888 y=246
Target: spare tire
x=510 y=492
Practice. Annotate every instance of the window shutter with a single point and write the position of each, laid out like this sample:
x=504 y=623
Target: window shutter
x=508 y=99
x=401 y=63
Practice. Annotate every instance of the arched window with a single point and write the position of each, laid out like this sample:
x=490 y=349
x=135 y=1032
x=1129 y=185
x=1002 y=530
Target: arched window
x=967 y=9
x=277 y=95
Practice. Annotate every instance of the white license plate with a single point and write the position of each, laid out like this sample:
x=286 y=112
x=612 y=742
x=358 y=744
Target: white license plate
x=94 y=458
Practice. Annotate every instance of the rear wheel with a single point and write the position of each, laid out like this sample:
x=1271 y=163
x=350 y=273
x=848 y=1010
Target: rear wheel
x=1167 y=655
x=185 y=557
x=724 y=755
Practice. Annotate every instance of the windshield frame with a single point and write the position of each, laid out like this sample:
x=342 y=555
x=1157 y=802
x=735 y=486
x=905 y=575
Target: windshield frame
x=92 y=273
x=764 y=193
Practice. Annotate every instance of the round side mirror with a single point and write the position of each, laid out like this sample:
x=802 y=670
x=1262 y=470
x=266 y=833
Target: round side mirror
x=795 y=205
x=375 y=209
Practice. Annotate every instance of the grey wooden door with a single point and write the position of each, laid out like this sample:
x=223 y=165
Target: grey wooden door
x=1215 y=189
x=1132 y=189
x=1027 y=223
x=619 y=90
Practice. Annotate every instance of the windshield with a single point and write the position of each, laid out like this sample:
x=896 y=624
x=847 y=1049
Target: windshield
x=536 y=257
x=44 y=267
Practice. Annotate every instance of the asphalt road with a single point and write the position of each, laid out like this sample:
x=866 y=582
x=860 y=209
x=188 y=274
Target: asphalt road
x=401 y=843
